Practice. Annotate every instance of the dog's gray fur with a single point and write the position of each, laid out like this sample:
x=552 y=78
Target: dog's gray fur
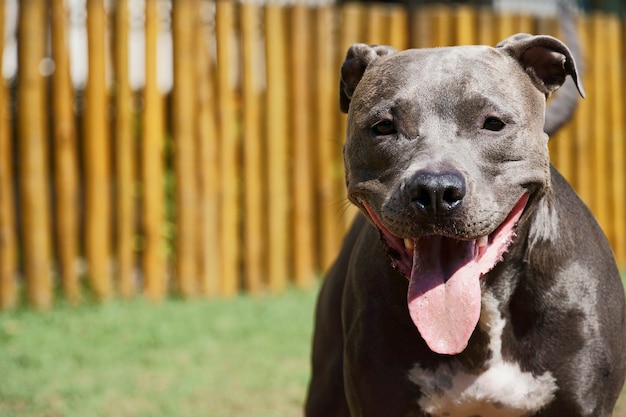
x=466 y=124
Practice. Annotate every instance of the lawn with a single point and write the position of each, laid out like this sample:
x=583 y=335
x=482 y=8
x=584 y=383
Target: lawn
x=243 y=357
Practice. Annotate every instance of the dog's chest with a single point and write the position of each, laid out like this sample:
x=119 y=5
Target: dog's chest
x=500 y=389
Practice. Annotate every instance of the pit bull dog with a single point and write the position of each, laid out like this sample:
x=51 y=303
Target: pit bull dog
x=474 y=282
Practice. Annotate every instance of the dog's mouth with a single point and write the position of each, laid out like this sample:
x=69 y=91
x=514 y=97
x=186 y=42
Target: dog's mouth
x=444 y=278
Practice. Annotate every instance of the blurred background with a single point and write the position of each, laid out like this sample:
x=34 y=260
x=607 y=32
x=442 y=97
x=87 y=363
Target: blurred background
x=194 y=147
x=171 y=186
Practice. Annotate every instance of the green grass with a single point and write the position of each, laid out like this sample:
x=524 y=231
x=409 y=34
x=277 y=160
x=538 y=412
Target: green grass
x=219 y=358
x=241 y=357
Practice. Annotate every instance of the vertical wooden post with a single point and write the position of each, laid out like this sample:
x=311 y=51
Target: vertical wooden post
x=32 y=131
x=377 y=32
x=506 y=25
x=398 y=27
x=525 y=23
x=153 y=206
x=615 y=48
x=486 y=24
x=351 y=31
x=208 y=172
x=548 y=26
x=8 y=240
x=329 y=162
x=65 y=156
x=228 y=151
x=352 y=26
x=600 y=100
x=562 y=152
x=584 y=134
x=97 y=178
x=184 y=15
x=254 y=194
x=442 y=34
x=276 y=132
x=125 y=153
x=466 y=33
x=421 y=27
x=562 y=144
x=302 y=146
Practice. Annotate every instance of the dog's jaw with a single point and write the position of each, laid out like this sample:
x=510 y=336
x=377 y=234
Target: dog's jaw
x=444 y=278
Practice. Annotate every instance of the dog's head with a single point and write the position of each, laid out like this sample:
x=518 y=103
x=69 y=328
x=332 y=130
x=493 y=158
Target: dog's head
x=445 y=148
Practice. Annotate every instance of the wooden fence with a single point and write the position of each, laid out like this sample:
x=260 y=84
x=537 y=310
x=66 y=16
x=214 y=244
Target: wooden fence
x=233 y=180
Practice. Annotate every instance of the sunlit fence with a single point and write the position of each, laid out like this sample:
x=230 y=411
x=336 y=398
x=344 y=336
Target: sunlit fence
x=231 y=180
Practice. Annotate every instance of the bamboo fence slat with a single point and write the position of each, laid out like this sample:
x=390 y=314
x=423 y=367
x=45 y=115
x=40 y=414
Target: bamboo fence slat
x=96 y=145
x=33 y=152
x=254 y=182
x=207 y=158
x=583 y=121
x=487 y=32
x=377 y=30
x=125 y=157
x=550 y=26
x=352 y=30
x=228 y=150
x=506 y=25
x=302 y=145
x=8 y=238
x=328 y=140
x=442 y=25
x=352 y=26
x=66 y=156
x=420 y=27
x=398 y=27
x=153 y=141
x=277 y=132
x=600 y=98
x=617 y=226
x=466 y=24
x=184 y=17
x=566 y=157
x=525 y=24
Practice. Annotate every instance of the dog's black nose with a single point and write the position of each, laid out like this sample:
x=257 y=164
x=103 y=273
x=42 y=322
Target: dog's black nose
x=436 y=192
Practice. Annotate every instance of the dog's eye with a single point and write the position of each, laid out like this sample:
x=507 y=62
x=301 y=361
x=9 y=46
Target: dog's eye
x=494 y=124
x=384 y=127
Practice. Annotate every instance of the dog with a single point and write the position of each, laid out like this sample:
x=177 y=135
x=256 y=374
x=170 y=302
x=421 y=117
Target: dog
x=474 y=281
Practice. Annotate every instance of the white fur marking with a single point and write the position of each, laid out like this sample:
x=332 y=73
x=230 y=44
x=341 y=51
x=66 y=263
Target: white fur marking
x=501 y=390
x=545 y=223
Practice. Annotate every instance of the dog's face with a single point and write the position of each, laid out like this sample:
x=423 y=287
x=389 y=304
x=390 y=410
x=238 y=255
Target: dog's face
x=445 y=148
x=453 y=119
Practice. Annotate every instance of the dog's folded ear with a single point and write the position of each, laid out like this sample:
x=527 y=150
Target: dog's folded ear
x=358 y=58
x=545 y=59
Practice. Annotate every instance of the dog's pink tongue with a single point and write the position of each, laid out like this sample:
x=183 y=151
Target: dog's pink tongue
x=444 y=293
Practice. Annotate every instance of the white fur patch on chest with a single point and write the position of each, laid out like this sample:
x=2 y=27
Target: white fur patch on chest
x=502 y=389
